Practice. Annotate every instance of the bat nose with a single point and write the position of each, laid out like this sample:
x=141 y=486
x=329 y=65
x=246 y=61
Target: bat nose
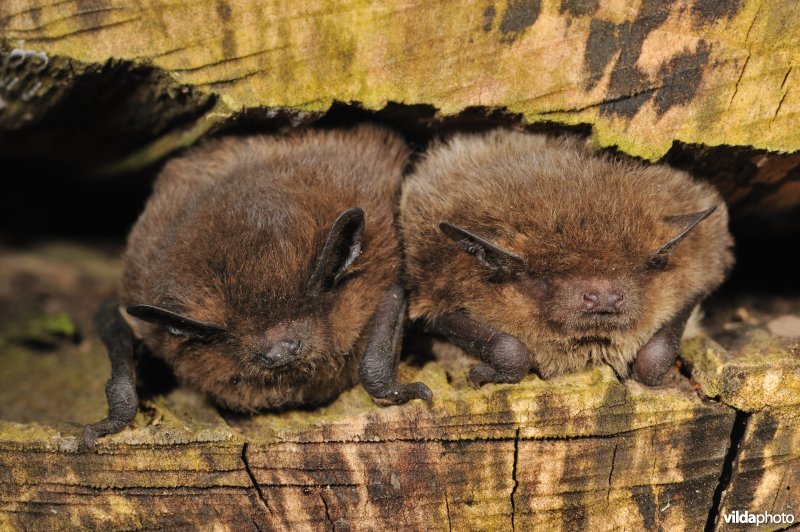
x=280 y=354
x=590 y=300
x=603 y=301
x=616 y=299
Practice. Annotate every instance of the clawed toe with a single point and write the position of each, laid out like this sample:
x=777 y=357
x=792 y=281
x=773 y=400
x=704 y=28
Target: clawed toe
x=402 y=393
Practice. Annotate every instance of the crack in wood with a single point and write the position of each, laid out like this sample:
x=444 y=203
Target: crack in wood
x=79 y=14
x=783 y=97
x=728 y=465
x=96 y=488
x=228 y=81
x=611 y=472
x=48 y=38
x=741 y=74
x=447 y=507
x=780 y=103
x=231 y=60
x=616 y=99
x=37 y=8
x=253 y=480
x=785 y=77
x=755 y=17
x=327 y=512
x=780 y=484
x=514 y=478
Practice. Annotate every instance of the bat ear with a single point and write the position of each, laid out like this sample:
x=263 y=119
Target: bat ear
x=684 y=223
x=342 y=248
x=496 y=259
x=175 y=323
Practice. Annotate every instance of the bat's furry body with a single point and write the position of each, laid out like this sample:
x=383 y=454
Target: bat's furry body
x=574 y=219
x=230 y=237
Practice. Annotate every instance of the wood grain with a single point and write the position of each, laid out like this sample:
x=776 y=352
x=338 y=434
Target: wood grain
x=644 y=74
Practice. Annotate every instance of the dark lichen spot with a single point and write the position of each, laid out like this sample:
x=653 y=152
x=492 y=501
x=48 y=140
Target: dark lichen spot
x=711 y=10
x=616 y=412
x=488 y=18
x=765 y=428
x=579 y=8
x=680 y=78
x=646 y=502
x=36 y=15
x=90 y=13
x=520 y=15
x=224 y=11
x=629 y=88
x=228 y=39
x=575 y=517
x=600 y=48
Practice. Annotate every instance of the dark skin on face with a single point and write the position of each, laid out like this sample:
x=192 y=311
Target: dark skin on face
x=507 y=360
x=378 y=369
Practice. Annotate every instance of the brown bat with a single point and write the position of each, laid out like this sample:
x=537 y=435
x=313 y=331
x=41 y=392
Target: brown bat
x=528 y=251
x=265 y=272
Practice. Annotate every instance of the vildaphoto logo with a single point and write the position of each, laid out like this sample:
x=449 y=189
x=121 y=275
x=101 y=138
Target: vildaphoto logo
x=764 y=518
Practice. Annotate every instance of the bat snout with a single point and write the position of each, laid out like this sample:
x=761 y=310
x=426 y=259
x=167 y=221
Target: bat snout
x=603 y=301
x=280 y=353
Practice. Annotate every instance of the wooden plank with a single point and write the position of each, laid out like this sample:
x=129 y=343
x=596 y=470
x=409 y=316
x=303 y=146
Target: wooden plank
x=766 y=473
x=578 y=450
x=759 y=376
x=582 y=451
x=644 y=74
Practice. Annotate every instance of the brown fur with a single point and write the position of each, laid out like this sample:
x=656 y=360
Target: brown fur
x=571 y=215
x=231 y=235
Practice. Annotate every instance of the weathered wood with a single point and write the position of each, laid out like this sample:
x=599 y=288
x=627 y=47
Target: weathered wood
x=644 y=75
x=760 y=377
x=578 y=451
x=761 y=371
x=659 y=79
x=583 y=451
x=766 y=473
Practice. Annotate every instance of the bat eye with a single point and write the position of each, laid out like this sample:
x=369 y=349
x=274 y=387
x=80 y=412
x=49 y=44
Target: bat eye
x=658 y=262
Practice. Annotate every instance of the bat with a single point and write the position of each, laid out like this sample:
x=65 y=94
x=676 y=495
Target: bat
x=265 y=271
x=530 y=252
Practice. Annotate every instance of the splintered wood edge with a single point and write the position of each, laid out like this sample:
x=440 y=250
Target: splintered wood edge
x=764 y=373
x=643 y=77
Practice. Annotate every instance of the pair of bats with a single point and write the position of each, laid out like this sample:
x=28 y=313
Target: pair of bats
x=272 y=272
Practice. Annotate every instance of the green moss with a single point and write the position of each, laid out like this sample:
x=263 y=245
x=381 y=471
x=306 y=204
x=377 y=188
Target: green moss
x=49 y=326
x=44 y=330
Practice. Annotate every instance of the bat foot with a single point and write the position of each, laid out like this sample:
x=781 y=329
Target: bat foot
x=481 y=374
x=89 y=441
x=510 y=362
x=653 y=361
x=659 y=353
x=397 y=393
x=102 y=428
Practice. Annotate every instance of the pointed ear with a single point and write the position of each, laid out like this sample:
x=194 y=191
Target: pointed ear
x=684 y=223
x=341 y=249
x=496 y=259
x=175 y=323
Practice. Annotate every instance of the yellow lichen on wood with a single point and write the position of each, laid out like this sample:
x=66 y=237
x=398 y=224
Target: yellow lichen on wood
x=581 y=450
x=645 y=75
x=765 y=373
